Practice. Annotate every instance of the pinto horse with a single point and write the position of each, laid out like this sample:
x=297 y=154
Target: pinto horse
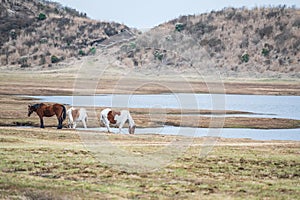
x=76 y=115
x=43 y=110
x=109 y=116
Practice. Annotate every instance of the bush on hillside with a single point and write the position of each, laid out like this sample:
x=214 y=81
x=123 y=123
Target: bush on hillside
x=266 y=31
x=265 y=52
x=23 y=61
x=92 y=51
x=54 y=59
x=42 y=16
x=158 y=55
x=179 y=27
x=81 y=52
x=245 y=57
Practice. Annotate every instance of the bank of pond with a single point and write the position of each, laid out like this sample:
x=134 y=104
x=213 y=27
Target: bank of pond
x=262 y=106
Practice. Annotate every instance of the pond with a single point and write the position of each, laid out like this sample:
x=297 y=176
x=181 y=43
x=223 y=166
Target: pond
x=267 y=106
x=260 y=105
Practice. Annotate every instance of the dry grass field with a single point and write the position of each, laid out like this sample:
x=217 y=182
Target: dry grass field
x=58 y=164
x=231 y=51
x=52 y=164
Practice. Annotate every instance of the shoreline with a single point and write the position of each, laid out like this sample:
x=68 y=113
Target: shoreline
x=65 y=83
x=149 y=139
x=14 y=113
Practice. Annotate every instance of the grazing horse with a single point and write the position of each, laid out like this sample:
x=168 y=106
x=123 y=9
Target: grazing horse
x=109 y=116
x=76 y=115
x=43 y=110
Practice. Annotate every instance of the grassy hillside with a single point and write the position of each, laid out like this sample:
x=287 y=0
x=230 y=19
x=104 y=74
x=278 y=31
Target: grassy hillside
x=40 y=33
x=256 y=43
x=260 y=42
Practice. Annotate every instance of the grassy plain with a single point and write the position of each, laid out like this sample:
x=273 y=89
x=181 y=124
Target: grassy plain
x=55 y=164
x=51 y=164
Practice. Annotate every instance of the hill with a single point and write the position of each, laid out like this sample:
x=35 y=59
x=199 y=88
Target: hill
x=40 y=33
x=254 y=43
x=261 y=42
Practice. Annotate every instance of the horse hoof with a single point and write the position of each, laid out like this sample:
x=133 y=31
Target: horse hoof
x=59 y=127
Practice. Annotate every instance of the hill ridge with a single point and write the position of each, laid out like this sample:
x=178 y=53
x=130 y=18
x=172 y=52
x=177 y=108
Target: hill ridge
x=42 y=33
x=237 y=42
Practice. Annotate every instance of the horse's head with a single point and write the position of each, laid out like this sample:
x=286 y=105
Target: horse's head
x=30 y=109
x=131 y=129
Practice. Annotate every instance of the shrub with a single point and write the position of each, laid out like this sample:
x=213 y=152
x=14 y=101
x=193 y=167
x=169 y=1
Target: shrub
x=42 y=16
x=110 y=31
x=158 y=55
x=266 y=31
x=43 y=40
x=265 y=52
x=81 y=52
x=132 y=45
x=23 y=61
x=202 y=28
x=13 y=34
x=179 y=27
x=92 y=51
x=54 y=59
x=244 y=43
x=296 y=23
x=42 y=60
x=245 y=57
x=283 y=37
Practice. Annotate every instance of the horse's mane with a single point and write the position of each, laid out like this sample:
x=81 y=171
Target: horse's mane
x=37 y=105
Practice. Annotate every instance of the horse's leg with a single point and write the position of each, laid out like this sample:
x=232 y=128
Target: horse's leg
x=121 y=125
x=41 y=122
x=59 y=122
x=106 y=122
x=74 y=124
x=84 y=124
x=59 y=116
x=69 y=123
x=108 y=128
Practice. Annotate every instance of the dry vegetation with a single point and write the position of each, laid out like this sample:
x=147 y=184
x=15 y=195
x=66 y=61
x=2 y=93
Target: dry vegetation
x=61 y=164
x=261 y=42
x=50 y=164
x=256 y=43
x=41 y=33
x=55 y=165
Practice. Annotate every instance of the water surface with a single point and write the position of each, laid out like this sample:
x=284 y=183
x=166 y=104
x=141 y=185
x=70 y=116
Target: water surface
x=263 y=105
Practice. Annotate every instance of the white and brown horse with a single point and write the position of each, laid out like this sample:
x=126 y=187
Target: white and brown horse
x=76 y=115
x=109 y=116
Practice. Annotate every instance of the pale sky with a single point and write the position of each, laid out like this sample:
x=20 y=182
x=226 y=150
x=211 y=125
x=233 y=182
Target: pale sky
x=149 y=13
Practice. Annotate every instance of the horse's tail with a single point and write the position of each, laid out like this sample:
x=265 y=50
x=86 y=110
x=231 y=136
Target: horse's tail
x=64 y=113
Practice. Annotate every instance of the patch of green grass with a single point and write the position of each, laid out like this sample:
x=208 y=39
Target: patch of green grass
x=39 y=164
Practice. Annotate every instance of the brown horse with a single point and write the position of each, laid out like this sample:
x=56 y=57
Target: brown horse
x=43 y=110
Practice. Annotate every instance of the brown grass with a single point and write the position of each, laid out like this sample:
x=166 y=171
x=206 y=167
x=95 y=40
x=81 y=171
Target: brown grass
x=52 y=83
x=59 y=164
x=43 y=164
